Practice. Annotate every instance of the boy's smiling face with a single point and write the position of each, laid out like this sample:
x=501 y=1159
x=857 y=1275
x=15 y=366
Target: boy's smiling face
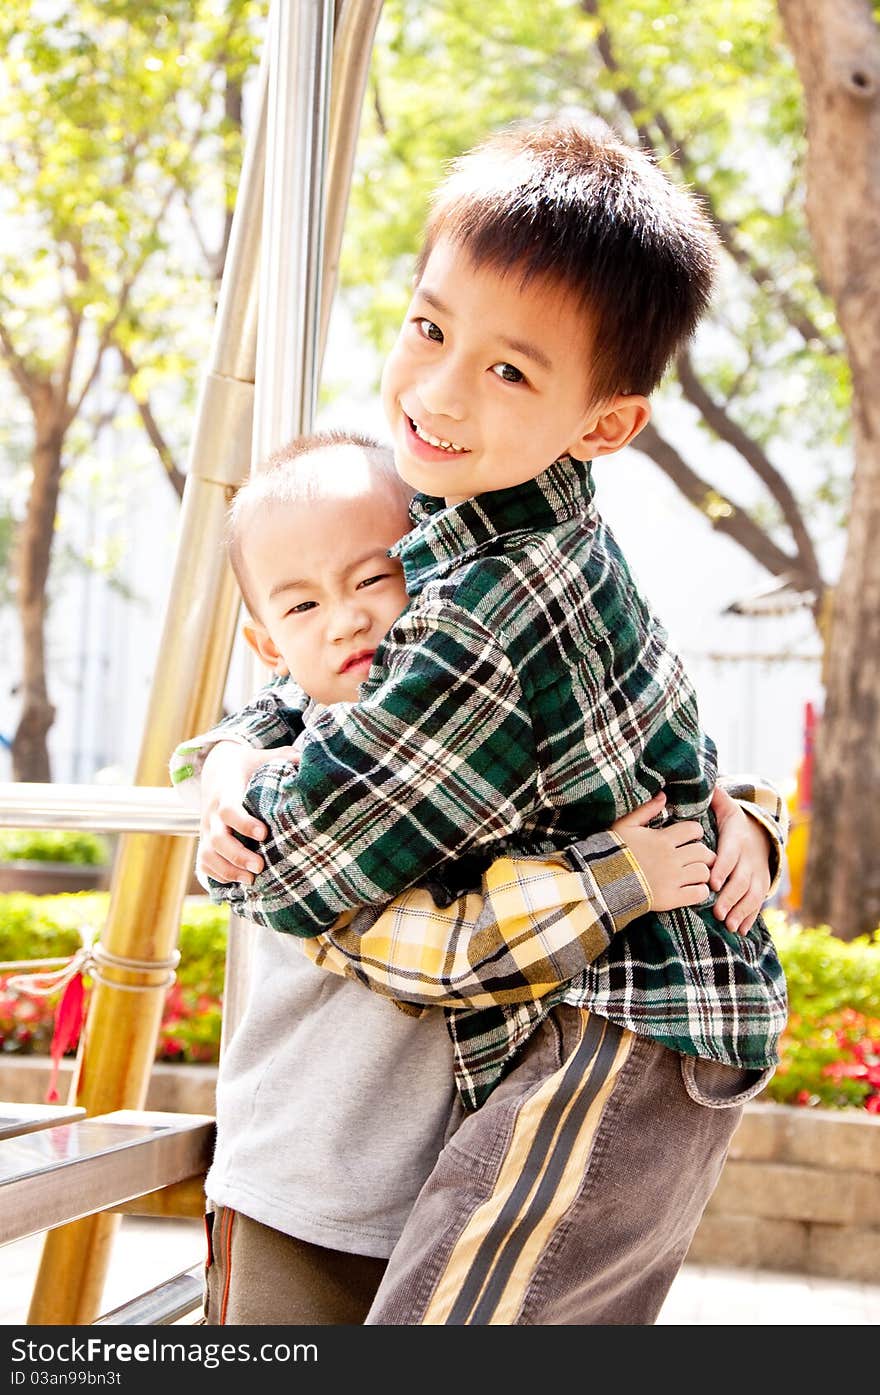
x=488 y=383
x=326 y=591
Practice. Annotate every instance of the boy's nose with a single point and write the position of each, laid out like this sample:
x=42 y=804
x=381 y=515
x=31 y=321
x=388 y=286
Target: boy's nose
x=348 y=620
x=441 y=394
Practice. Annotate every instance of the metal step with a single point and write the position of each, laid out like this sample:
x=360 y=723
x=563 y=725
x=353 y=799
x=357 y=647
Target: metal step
x=17 y=1119
x=168 y=1302
x=61 y=1174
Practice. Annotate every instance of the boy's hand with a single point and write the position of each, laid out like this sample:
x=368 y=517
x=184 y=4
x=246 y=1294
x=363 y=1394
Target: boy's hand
x=674 y=860
x=226 y=775
x=741 y=874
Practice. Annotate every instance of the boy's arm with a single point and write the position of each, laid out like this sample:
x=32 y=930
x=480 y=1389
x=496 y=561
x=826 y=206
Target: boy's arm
x=438 y=760
x=536 y=922
x=274 y=718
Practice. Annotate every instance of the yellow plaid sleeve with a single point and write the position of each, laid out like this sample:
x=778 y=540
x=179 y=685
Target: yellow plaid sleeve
x=534 y=923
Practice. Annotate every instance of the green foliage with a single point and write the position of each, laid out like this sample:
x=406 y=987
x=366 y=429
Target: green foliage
x=825 y=973
x=830 y=1051
x=44 y=927
x=82 y=848
x=119 y=158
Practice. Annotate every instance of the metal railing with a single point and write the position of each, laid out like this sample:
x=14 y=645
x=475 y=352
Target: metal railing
x=97 y=808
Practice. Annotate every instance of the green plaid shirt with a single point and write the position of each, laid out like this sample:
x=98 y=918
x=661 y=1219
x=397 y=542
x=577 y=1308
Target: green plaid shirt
x=525 y=699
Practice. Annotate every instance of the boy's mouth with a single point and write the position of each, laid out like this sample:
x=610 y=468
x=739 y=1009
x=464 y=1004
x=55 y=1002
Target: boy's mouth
x=362 y=659
x=435 y=442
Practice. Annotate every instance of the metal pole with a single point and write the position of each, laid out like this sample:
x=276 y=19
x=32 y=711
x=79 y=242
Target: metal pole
x=355 y=32
x=101 y=808
x=290 y=165
x=300 y=42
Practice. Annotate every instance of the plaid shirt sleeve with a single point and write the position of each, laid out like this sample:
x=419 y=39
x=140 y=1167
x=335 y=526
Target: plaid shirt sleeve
x=438 y=760
x=535 y=923
x=274 y=718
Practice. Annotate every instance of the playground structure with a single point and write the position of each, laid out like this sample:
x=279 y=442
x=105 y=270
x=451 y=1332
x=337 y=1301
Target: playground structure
x=71 y=1169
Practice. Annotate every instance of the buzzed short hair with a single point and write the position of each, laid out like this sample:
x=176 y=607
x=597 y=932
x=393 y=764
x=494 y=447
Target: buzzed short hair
x=570 y=200
x=292 y=475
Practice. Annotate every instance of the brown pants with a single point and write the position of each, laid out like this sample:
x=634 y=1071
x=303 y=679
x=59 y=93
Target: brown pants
x=571 y=1197
x=256 y=1275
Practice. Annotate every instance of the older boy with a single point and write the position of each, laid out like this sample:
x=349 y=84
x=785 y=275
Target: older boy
x=526 y=698
x=295 y=1234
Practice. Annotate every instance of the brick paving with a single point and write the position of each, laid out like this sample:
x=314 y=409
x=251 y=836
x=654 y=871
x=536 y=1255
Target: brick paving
x=149 y=1250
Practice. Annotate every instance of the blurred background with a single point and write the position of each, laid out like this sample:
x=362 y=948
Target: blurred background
x=748 y=509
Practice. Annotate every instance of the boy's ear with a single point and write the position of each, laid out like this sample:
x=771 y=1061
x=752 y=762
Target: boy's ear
x=259 y=639
x=618 y=421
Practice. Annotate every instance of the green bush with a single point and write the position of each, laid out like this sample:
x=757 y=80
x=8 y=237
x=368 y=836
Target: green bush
x=45 y=927
x=37 y=845
x=830 y=1050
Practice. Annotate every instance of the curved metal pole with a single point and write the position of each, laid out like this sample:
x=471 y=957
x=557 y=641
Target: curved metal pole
x=355 y=27
x=356 y=22
x=300 y=40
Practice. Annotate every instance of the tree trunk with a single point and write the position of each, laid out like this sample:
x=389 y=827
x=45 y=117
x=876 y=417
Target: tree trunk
x=30 y=753
x=836 y=46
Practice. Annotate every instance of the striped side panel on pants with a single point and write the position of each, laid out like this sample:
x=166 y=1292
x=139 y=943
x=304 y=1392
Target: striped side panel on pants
x=490 y=1269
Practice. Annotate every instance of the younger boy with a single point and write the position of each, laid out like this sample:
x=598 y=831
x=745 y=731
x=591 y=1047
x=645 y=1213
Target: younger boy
x=332 y=1106
x=525 y=699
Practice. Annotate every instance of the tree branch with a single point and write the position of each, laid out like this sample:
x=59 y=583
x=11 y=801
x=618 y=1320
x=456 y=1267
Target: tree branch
x=378 y=108
x=107 y=333
x=127 y=286
x=797 y=317
x=730 y=431
x=75 y=323
x=723 y=515
x=209 y=257
x=17 y=366
x=176 y=477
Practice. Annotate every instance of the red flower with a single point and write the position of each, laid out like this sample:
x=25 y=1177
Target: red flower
x=803 y=1097
x=872 y=1104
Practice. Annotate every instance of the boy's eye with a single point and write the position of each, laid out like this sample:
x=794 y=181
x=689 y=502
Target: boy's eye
x=371 y=580
x=430 y=331
x=508 y=373
x=302 y=607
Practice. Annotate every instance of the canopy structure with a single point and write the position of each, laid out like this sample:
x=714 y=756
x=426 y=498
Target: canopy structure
x=259 y=389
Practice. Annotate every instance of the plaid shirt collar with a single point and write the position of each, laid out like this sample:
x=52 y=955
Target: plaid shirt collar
x=444 y=537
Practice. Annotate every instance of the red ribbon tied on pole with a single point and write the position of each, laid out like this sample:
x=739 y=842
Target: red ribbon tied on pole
x=68 y=1024
x=70 y=1012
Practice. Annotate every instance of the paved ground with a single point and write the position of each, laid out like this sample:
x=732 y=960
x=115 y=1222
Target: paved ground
x=147 y=1251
